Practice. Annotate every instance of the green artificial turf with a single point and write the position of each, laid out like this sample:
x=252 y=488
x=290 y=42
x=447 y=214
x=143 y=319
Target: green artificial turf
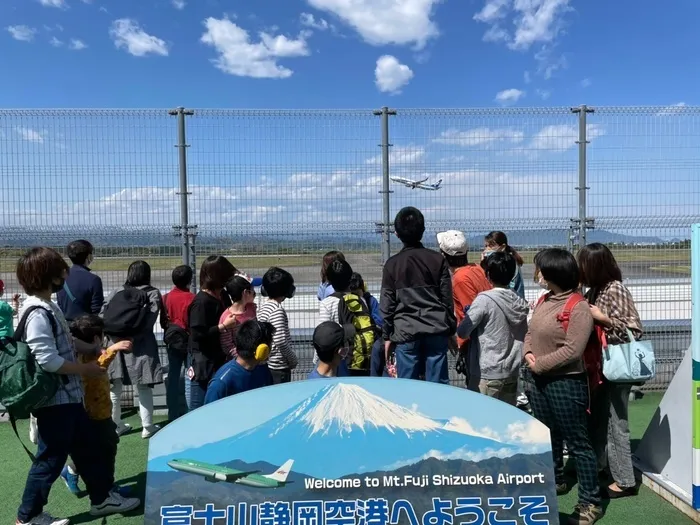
x=647 y=508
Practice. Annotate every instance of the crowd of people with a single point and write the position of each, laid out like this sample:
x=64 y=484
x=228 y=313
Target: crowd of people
x=531 y=355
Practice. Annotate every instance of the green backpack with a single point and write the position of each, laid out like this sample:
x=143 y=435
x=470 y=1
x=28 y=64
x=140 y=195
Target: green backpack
x=352 y=310
x=24 y=385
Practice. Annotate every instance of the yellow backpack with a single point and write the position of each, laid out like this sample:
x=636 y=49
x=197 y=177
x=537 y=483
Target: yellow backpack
x=352 y=310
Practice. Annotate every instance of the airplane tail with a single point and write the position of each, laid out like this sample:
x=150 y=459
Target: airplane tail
x=281 y=473
x=437 y=185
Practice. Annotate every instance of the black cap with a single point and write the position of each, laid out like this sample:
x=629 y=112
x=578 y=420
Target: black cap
x=331 y=336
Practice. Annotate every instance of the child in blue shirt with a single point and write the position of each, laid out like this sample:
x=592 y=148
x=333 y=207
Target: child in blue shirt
x=332 y=343
x=248 y=371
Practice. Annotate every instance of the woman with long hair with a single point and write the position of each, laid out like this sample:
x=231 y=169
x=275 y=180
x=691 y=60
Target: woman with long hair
x=497 y=241
x=141 y=367
x=614 y=310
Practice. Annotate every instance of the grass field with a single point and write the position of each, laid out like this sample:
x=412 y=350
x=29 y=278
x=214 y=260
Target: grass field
x=670 y=260
x=645 y=509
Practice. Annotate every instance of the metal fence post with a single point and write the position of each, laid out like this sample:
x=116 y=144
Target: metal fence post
x=385 y=113
x=583 y=221
x=184 y=226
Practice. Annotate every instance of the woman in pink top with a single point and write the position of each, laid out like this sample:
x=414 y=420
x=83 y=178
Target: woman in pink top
x=241 y=293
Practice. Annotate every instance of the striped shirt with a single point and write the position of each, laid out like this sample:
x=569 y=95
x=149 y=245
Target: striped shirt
x=282 y=356
x=52 y=352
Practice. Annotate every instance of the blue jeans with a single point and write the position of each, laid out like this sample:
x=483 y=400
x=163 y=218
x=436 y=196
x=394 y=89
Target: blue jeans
x=176 y=362
x=195 y=394
x=64 y=430
x=427 y=354
x=194 y=391
x=377 y=362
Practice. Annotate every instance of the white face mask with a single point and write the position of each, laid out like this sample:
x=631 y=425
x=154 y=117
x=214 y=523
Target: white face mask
x=543 y=284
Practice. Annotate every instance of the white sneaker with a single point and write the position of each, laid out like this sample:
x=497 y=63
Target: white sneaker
x=123 y=429
x=45 y=519
x=114 y=504
x=149 y=431
x=33 y=430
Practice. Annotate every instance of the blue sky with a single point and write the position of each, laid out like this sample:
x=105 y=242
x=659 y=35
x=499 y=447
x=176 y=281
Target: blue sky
x=322 y=53
x=260 y=172
x=475 y=413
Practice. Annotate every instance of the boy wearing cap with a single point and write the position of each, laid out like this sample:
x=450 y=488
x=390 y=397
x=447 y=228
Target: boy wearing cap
x=332 y=343
x=7 y=313
x=468 y=280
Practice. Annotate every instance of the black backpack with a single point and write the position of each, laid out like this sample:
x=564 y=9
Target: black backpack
x=126 y=314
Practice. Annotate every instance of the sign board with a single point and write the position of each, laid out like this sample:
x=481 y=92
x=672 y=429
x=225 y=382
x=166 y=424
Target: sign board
x=371 y=451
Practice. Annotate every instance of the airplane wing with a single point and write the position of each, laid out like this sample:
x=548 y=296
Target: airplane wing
x=210 y=472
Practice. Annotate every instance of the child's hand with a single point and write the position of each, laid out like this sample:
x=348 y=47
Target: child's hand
x=230 y=322
x=122 y=346
x=15 y=298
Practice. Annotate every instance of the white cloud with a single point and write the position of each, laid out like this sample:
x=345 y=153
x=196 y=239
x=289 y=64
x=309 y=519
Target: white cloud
x=673 y=109
x=127 y=34
x=531 y=432
x=241 y=57
x=179 y=4
x=400 y=155
x=532 y=22
x=61 y=4
x=537 y=21
x=549 y=62
x=382 y=22
x=390 y=75
x=308 y=20
x=457 y=424
x=544 y=94
x=509 y=96
x=77 y=45
x=22 y=33
x=479 y=136
x=586 y=82
x=55 y=42
x=493 y=10
x=30 y=135
x=561 y=137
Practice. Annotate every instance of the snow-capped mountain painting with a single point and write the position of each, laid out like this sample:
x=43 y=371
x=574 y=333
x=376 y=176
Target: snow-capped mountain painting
x=344 y=428
x=322 y=440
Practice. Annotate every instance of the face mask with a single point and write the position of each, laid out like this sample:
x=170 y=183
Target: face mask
x=489 y=252
x=343 y=352
x=89 y=260
x=55 y=288
x=292 y=291
x=543 y=284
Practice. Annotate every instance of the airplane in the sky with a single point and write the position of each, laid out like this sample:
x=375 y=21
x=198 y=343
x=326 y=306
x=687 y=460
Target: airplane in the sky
x=420 y=184
x=216 y=473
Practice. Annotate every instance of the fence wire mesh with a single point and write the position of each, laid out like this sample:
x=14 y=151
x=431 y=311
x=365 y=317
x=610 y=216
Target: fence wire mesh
x=283 y=187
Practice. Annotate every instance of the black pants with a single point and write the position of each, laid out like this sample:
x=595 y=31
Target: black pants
x=283 y=375
x=107 y=440
x=63 y=430
x=560 y=402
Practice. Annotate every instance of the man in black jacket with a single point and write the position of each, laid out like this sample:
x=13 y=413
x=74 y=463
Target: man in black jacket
x=416 y=303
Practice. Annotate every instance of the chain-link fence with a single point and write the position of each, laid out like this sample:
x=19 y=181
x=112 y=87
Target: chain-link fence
x=281 y=188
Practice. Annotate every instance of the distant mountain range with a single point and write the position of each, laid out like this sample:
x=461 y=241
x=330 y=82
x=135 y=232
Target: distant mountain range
x=301 y=239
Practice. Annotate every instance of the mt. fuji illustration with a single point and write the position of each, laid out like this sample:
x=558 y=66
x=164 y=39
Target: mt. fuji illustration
x=344 y=429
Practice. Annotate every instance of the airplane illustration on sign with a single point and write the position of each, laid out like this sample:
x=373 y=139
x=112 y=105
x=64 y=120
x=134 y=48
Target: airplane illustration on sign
x=420 y=184
x=216 y=473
